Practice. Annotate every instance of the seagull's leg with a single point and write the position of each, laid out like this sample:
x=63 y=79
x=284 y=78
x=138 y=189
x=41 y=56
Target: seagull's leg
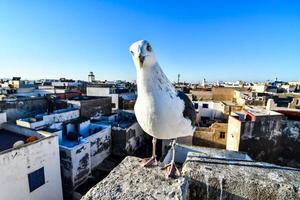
x=147 y=162
x=171 y=168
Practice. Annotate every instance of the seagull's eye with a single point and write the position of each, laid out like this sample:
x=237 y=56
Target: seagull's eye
x=131 y=52
x=148 y=47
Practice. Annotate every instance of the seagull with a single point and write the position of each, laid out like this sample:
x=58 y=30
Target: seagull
x=161 y=110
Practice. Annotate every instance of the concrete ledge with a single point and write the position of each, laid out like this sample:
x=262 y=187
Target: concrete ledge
x=222 y=178
x=207 y=174
x=131 y=181
x=183 y=150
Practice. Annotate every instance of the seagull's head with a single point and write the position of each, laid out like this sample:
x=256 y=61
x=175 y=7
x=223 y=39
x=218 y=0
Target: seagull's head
x=142 y=54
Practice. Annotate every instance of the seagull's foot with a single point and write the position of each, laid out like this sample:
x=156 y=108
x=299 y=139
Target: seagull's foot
x=148 y=162
x=171 y=170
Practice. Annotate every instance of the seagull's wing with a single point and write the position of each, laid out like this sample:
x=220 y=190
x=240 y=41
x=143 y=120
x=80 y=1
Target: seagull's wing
x=189 y=111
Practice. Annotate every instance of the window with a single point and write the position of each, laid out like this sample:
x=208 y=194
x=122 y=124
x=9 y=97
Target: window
x=205 y=105
x=36 y=179
x=196 y=105
x=222 y=135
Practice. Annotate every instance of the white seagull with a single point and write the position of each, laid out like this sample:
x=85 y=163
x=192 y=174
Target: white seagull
x=161 y=110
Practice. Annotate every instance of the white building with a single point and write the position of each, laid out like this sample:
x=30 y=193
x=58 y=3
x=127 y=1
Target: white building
x=289 y=88
x=209 y=110
x=29 y=163
x=104 y=91
x=49 y=90
x=65 y=84
x=110 y=90
x=127 y=135
x=253 y=123
x=40 y=121
x=83 y=146
x=259 y=87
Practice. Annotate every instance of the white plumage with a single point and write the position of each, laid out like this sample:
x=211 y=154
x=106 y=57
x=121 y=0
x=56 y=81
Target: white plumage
x=159 y=109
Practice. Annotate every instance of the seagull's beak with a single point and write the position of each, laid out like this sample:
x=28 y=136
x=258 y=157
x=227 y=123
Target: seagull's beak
x=141 y=59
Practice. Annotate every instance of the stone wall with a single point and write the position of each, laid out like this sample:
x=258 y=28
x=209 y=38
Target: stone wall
x=92 y=107
x=125 y=141
x=265 y=140
x=219 y=178
x=2 y=119
x=100 y=146
x=233 y=134
x=269 y=138
x=26 y=107
x=202 y=94
x=206 y=175
x=131 y=181
x=75 y=165
x=222 y=93
x=21 y=130
x=212 y=136
x=17 y=163
x=289 y=155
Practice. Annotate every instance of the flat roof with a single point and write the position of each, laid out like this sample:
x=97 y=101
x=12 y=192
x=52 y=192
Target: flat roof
x=8 y=138
x=63 y=110
x=258 y=111
x=82 y=98
x=121 y=124
x=126 y=124
x=230 y=103
x=109 y=115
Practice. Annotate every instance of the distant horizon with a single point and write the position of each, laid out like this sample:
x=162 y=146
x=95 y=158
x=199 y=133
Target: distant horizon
x=181 y=81
x=232 y=40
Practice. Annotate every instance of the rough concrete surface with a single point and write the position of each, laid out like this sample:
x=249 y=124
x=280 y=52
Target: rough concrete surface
x=131 y=181
x=205 y=175
x=219 y=178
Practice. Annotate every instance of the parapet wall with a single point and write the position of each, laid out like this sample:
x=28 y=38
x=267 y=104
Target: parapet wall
x=273 y=140
x=26 y=107
x=219 y=178
x=204 y=176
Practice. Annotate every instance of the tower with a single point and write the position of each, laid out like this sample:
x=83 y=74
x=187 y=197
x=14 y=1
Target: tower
x=91 y=77
x=204 y=83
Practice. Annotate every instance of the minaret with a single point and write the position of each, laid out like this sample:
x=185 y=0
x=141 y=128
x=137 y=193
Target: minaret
x=91 y=77
x=178 y=78
x=204 y=83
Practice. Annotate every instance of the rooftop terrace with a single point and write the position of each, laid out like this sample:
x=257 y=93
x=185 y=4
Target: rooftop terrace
x=121 y=120
x=39 y=117
x=259 y=111
x=75 y=132
x=8 y=138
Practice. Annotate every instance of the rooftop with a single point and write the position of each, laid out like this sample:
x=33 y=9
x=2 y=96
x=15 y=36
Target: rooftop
x=124 y=124
x=131 y=181
x=64 y=110
x=39 y=117
x=82 y=98
x=260 y=111
x=205 y=175
x=74 y=132
x=291 y=113
x=8 y=138
x=123 y=120
x=72 y=143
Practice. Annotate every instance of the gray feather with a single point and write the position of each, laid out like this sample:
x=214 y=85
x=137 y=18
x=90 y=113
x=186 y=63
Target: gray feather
x=189 y=110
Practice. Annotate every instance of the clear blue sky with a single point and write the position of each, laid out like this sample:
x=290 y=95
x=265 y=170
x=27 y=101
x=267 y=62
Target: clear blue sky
x=218 y=40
